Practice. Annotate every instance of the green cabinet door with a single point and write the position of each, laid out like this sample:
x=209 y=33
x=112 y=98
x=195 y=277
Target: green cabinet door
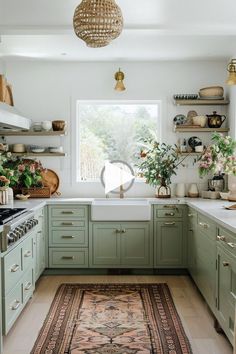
x=136 y=247
x=168 y=240
x=226 y=291
x=105 y=245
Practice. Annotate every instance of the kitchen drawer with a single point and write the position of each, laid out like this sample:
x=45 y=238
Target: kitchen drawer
x=28 y=285
x=169 y=213
x=12 y=269
x=68 y=258
x=12 y=306
x=68 y=212
x=27 y=253
x=227 y=239
x=192 y=218
x=69 y=238
x=207 y=226
x=68 y=223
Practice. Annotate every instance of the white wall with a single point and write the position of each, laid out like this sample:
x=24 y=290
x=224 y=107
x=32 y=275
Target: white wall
x=48 y=91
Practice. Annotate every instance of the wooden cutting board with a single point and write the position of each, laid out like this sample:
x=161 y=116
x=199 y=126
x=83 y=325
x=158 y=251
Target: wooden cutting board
x=5 y=91
x=51 y=179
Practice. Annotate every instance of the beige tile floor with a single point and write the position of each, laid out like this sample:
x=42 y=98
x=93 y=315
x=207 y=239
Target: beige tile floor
x=196 y=318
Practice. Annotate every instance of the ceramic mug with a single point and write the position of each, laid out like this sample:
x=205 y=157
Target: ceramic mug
x=199 y=148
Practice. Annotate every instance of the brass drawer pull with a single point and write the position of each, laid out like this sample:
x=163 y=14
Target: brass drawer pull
x=16 y=306
x=220 y=238
x=67 y=236
x=170 y=206
x=231 y=244
x=67 y=212
x=169 y=214
x=67 y=223
x=204 y=225
x=169 y=223
x=27 y=254
x=15 y=268
x=225 y=264
x=68 y=257
x=118 y=231
x=28 y=286
x=123 y=231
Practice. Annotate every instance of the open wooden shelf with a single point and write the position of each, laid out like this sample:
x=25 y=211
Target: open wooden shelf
x=201 y=102
x=46 y=154
x=32 y=133
x=202 y=130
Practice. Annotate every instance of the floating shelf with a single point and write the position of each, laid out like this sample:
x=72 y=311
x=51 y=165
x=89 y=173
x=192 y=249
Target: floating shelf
x=32 y=133
x=201 y=102
x=202 y=130
x=46 y=154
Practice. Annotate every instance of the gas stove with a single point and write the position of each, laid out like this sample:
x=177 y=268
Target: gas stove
x=8 y=214
x=17 y=223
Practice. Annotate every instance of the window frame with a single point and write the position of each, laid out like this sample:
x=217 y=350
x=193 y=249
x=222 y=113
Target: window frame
x=75 y=141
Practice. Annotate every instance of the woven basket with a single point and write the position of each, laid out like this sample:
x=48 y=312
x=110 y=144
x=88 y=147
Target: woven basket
x=97 y=22
x=43 y=192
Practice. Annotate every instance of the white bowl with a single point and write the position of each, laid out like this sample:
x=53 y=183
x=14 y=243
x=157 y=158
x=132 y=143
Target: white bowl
x=37 y=150
x=224 y=195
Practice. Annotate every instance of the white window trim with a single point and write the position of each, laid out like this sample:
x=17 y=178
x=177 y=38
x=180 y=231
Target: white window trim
x=75 y=132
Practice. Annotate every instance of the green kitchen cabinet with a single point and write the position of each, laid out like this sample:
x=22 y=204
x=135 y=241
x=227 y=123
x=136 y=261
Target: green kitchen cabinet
x=40 y=244
x=121 y=245
x=169 y=236
x=191 y=254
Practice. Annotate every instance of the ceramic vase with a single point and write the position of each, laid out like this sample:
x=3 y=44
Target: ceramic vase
x=3 y=195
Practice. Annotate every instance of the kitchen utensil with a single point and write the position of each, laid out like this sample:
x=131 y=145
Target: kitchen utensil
x=179 y=119
x=51 y=180
x=58 y=125
x=199 y=120
x=211 y=91
x=47 y=125
x=194 y=141
x=180 y=190
x=217 y=183
x=18 y=148
x=193 y=191
x=215 y=120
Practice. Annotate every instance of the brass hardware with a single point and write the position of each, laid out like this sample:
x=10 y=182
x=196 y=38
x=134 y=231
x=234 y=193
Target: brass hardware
x=65 y=236
x=119 y=77
x=118 y=231
x=190 y=215
x=231 y=244
x=123 y=231
x=220 y=238
x=68 y=257
x=225 y=264
x=67 y=223
x=39 y=232
x=169 y=223
x=15 y=268
x=27 y=254
x=170 y=206
x=231 y=68
x=28 y=286
x=67 y=212
x=169 y=214
x=16 y=306
x=204 y=225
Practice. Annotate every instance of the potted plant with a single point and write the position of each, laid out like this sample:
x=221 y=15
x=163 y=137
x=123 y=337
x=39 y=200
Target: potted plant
x=157 y=163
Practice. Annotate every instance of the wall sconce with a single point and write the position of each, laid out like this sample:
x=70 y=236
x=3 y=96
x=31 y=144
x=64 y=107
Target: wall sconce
x=119 y=77
x=231 y=68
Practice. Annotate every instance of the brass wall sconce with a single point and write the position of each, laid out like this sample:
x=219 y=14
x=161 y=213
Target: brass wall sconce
x=119 y=77
x=231 y=68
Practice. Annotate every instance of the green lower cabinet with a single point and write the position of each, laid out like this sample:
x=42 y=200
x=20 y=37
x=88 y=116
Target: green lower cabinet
x=124 y=245
x=169 y=244
x=226 y=291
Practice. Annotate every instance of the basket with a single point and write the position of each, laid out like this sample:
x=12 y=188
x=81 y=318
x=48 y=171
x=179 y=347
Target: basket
x=35 y=192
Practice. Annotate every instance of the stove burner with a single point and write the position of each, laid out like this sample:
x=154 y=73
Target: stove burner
x=8 y=214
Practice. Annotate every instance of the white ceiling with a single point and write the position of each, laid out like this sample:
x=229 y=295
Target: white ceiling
x=153 y=30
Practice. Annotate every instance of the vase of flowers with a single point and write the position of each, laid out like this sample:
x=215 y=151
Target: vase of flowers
x=4 y=183
x=157 y=163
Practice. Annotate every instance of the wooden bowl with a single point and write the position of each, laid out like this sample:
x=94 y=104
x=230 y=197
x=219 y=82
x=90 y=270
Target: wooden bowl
x=58 y=125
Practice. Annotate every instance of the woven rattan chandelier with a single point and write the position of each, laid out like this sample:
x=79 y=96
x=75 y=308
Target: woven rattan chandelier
x=98 y=22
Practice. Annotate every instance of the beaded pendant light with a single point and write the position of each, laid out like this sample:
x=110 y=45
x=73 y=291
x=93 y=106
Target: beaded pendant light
x=98 y=22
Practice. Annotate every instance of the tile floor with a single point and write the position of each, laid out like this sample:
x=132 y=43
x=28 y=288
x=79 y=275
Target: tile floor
x=196 y=318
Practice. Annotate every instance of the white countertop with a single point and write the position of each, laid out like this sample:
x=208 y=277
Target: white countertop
x=213 y=209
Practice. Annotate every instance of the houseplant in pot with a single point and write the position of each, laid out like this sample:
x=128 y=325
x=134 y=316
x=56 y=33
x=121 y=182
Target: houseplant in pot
x=157 y=163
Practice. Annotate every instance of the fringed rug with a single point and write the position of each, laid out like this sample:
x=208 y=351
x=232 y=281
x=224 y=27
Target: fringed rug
x=112 y=319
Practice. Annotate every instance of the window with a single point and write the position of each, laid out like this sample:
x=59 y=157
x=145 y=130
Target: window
x=112 y=131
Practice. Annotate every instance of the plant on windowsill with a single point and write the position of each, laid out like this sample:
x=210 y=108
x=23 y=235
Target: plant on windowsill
x=157 y=163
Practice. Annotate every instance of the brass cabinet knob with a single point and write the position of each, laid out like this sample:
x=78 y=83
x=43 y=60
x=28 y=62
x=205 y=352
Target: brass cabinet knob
x=225 y=264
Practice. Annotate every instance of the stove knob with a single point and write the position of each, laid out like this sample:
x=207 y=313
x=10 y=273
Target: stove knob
x=10 y=237
x=15 y=235
x=35 y=222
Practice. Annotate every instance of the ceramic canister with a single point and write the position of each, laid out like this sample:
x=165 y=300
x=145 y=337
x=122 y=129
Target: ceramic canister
x=180 y=190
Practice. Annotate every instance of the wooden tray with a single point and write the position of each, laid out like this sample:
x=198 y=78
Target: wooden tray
x=51 y=180
x=5 y=91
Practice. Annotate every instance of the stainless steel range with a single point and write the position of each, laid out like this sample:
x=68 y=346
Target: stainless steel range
x=17 y=222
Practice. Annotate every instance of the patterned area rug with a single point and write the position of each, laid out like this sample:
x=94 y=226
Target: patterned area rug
x=112 y=319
